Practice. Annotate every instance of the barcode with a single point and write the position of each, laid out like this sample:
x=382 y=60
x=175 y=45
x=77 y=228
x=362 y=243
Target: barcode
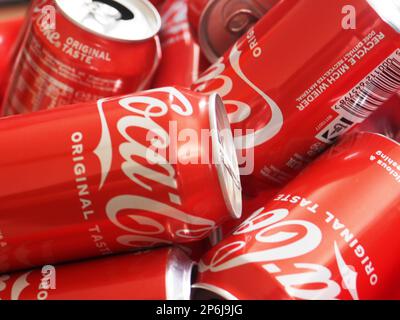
x=372 y=92
x=366 y=97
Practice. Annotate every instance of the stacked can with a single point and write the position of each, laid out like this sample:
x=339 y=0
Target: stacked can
x=119 y=177
x=315 y=85
x=332 y=233
x=76 y=51
x=219 y=23
x=140 y=186
x=163 y=274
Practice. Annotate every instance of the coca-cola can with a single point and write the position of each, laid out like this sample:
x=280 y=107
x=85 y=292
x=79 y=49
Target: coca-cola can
x=130 y=172
x=331 y=233
x=219 y=23
x=77 y=51
x=162 y=274
x=302 y=77
x=180 y=62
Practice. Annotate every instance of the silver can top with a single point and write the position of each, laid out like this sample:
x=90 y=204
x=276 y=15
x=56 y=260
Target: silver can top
x=124 y=20
x=224 y=156
x=388 y=10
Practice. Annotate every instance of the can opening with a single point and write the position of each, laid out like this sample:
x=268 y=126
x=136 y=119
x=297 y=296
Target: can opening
x=179 y=275
x=224 y=156
x=125 y=13
x=123 y=20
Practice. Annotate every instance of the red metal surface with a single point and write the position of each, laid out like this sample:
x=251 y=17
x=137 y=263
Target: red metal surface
x=90 y=182
x=293 y=77
x=69 y=65
x=180 y=63
x=332 y=233
x=142 y=275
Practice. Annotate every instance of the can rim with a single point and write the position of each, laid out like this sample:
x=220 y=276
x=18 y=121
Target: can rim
x=157 y=17
x=224 y=156
x=224 y=294
x=178 y=278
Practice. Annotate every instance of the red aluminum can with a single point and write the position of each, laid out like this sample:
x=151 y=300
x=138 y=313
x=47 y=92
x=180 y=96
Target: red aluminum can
x=76 y=51
x=9 y=31
x=331 y=233
x=219 y=23
x=301 y=77
x=162 y=274
x=181 y=54
x=121 y=174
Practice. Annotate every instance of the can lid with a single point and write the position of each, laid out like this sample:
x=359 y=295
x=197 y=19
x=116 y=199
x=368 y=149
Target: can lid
x=224 y=156
x=178 y=280
x=124 y=20
x=222 y=22
x=388 y=10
